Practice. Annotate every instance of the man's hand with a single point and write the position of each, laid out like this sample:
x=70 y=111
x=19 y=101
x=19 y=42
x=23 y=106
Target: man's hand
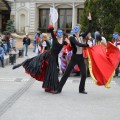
x=89 y=17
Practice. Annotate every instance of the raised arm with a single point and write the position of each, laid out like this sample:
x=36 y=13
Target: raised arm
x=89 y=27
x=73 y=40
x=51 y=28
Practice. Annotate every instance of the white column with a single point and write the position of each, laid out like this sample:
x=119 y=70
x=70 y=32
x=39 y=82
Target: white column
x=73 y=15
x=32 y=17
x=36 y=18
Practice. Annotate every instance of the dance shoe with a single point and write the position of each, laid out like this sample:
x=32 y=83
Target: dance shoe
x=83 y=92
x=57 y=91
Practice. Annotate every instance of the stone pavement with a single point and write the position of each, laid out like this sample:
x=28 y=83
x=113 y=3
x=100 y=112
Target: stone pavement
x=22 y=98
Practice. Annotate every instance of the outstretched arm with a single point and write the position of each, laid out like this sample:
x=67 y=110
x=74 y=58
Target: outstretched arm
x=73 y=40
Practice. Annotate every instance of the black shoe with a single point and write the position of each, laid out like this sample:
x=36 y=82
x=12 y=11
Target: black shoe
x=2 y=65
x=47 y=91
x=83 y=92
x=16 y=66
x=50 y=91
x=57 y=91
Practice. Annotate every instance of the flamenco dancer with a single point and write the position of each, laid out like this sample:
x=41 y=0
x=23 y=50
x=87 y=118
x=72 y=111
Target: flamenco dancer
x=77 y=58
x=44 y=66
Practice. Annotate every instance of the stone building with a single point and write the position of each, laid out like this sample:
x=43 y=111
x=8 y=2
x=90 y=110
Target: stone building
x=32 y=14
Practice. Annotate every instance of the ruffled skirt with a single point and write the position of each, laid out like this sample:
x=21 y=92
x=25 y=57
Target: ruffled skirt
x=43 y=68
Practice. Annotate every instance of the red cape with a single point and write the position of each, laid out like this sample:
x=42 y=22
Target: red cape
x=102 y=63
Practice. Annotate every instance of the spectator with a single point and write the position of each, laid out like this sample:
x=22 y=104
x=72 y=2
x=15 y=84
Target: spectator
x=4 y=45
x=2 y=55
x=26 y=43
x=116 y=42
x=7 y=40
x=38 y=41
x=34 y=42
x=12 y=55
x=12 y=42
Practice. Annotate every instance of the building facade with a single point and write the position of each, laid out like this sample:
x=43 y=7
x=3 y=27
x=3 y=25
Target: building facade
x=32 y=14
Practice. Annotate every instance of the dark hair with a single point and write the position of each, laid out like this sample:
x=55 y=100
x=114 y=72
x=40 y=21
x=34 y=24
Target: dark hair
x=38 y=34
x=65 y=35
x=98 y=37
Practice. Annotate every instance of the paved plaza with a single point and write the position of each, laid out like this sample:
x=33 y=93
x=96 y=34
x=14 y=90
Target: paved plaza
x=22 y=98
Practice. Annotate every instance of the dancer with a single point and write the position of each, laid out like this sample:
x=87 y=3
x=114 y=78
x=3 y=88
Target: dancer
x=44 y=66
x=43 y=43
x=77 y=58
x=116 y=42
x=85 y=53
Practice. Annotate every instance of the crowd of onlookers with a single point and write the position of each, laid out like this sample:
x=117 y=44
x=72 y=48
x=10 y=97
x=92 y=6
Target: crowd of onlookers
x=7 y=47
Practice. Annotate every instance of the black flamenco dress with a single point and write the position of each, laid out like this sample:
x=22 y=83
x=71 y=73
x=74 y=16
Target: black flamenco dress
x=44 y=66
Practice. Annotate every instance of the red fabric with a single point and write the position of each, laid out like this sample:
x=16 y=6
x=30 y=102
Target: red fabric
x=50 y=26
x=37 y=39
x=68 y=47
x=113 y=54
x=102 y=64
x=85 y=54
x=41 y=76
x=76 y=68
x=55 y=33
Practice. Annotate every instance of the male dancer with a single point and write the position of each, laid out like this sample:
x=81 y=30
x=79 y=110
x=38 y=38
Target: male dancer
x=77 y=58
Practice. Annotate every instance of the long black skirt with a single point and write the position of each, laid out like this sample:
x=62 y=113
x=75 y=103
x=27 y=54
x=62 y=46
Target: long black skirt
x=43 y=68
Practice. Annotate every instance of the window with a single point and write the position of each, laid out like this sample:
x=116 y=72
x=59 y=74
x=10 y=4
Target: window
x=65 y=19
x=79 y=13
x=44 y=19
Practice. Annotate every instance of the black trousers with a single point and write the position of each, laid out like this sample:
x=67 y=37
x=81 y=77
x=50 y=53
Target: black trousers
x=79 y=60
x=117 y=70
x=12 y=58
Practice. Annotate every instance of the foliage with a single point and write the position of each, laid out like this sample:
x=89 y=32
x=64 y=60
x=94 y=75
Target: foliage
x=105 y=16
x=117 y=28
x=10 y=27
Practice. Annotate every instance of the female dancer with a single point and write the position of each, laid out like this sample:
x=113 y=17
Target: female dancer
x=44 y=66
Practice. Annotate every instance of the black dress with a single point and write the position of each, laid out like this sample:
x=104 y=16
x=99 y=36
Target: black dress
x=44 y=66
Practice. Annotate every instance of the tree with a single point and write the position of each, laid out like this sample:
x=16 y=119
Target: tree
x=105 y=14
x=117 y=28
x=10 y=26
